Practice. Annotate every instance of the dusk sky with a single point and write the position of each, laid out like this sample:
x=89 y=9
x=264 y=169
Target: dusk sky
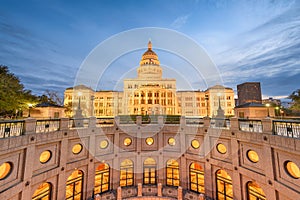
x=45 y=42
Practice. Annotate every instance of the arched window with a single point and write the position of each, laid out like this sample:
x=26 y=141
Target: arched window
x=101 y=178
x=149 y=171
x=172 y=173
x=126 y=174
x=255 y=192
x=42 y=192
x=74 y=186
x=224 y=185
x=197 y=177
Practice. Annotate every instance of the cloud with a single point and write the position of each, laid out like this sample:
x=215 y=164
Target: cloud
x=268 y=53
x=180 y=21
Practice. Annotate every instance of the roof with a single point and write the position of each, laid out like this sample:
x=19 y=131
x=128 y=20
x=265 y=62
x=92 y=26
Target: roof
x=46 y=104
x=251 y=104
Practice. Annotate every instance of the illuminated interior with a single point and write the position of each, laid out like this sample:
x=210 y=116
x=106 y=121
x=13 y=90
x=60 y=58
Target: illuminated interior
x=252 y=156
x=77 y=148
x=172 y=173
x=224 y=185
x=195 y=144
x=292 y=169
x=5 y=170
x=102 y=178
x=197 y=178
x=45 y=156
x=149 y=140
x=255 y=192
x=149 y=171
x=126 y=173
x=43 y=192
x=103 y=144
x=74 y=186
x=127 y=141
x=171 y=141
x=221 y=148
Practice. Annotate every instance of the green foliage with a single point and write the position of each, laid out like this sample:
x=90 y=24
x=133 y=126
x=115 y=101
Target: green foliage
x=13 y=96
x=295 y=96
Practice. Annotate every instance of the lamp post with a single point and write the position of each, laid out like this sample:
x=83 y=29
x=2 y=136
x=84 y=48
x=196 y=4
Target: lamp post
x=79 y=96
x=268 y=105
x=29 y=107
x=206 y=99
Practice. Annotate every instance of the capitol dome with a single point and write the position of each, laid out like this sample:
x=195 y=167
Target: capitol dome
x=149 y=57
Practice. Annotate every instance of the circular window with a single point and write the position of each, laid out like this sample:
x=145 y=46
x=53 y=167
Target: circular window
x=103 y=144
x=127 y=141
x=171 y=141
x=221 y=148
x=45 y=156
x=292 y=169
x=77 y=148
x=252 y=156
x=195 y=144
x=5 y=170
x=149 y=140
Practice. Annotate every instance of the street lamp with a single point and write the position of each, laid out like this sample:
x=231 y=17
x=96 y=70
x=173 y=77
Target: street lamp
x=268 y=105
x=29 y=107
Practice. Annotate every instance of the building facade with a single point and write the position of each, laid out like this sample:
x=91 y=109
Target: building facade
x=249 y=92
x=142 y=161
x=149 y=94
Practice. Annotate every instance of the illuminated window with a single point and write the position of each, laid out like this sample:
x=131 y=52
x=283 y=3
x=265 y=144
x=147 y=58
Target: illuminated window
x=74 y=186
x=102 y=178
x=224 y=185
x=149 y=171
x=255 y=192
x=171 y=141
x=77 y=148
x=126 y=173
x=45 y=156
x=252 y=156
x=149 y=140
x=5 y=170
x=127 y=141
x=195 y=144
x=172 y=173
x=196 y=178
x=292 y=169
x=43 y=192
x=103 y=144
x=221 y=148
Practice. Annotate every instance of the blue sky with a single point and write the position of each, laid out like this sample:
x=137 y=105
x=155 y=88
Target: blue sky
x=45 y=42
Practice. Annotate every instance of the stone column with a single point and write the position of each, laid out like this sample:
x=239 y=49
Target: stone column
x=29 y=126
x=159 y=190
x=64 y=124
x=119 y=193
x=139 y=120
x=267 y=125
x=234 y=124
x=140 y=190
x=92 y=122
x=179 y=195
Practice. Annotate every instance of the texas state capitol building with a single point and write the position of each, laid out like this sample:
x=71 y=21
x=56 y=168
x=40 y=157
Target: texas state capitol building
x=150 y=94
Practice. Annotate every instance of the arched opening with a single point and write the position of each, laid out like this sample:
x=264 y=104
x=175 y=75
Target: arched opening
x=74 y=186
x=255 y=192
x=102 y=178
x=197 y=178
x=43 y=192
x=172 y=173
x=224 y=185
x=149 y=171
x=126 y=173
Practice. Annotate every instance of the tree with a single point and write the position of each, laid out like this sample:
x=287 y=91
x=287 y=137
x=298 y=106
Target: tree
x=295 y=96
x=51 y=97
x=13 y=96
